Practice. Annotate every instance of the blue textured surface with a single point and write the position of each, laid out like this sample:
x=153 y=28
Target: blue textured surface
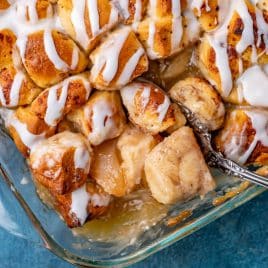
x=239 y=239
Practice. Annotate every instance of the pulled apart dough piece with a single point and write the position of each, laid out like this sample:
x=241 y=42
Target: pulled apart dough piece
x=176 y=170
x=118 y=165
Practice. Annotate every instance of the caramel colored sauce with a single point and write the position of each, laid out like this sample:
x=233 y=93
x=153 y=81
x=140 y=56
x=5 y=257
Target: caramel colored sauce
x=182 y=216
x=127 y=218
x=230 y=194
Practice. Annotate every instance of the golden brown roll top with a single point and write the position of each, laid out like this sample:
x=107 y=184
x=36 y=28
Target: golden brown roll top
x=210 y=13
x=118 y=164
x=118 y=60
x=236 y=45
x=4 y=4
x=26 y=129
x=62 y=162
x=101 y=118
x=244 y=137
x=176 y=170
x=32 y=11
x=50 y=56
x=132 y=11
x=169 y=28
x=87 y=202
x=87 y=20
x=149 y=107
x=15 y=86
x=55 y=102
x=202 y=99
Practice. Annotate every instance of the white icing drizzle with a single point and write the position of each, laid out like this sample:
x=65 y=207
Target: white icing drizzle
x=30 y=6
x=82 y=159
x=80 y=199
x=55 y=105
x=259 y=121
x=177 y=29
x=102 y=122
x=253 y=86
x=78 y=20
x=138 y=11
x=145 y=97
x=150 y=49
x=130 y=67
x=94 y=17
x=107 y=59
x=128 y=94
x=52 y=53
x=162 y=109
x=218 y=40
x=28 y=139
x=24 y=28
x=14 y=94
x=197 y=4
x=15 y=89
x=123 y=7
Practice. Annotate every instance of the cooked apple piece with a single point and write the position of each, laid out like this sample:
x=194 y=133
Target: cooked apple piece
x=118 y=165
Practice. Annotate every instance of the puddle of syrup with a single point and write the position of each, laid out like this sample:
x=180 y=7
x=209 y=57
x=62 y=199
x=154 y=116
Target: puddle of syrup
x=128 y=217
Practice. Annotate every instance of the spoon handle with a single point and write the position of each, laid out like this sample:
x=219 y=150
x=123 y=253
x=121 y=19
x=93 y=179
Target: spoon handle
x=231 y=168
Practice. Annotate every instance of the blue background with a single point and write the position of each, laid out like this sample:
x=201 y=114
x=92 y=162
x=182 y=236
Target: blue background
x=239 y=239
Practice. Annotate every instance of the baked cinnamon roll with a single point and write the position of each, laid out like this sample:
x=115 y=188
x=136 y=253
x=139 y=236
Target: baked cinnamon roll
x=170 y=27
x=55 y=102
x=132 y=11
x=101 y=118
x=244 y=138
x=202 y=99
x=118 y=60
x=176 y=170
x=62 y=162
x=15 y=86
x=49 y=56
x=149 y=107
x=239 y=43
x=87 y=202
x=87 y=20
x=27 y=129
x=210 y=13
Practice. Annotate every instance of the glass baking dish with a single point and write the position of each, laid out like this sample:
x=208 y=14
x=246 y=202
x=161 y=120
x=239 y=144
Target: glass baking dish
x=122 y=248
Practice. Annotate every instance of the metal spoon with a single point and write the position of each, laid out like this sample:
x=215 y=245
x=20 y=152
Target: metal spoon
x=216 y=159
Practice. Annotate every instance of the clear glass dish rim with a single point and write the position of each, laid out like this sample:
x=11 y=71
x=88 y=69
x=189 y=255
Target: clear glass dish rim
x=143 y=253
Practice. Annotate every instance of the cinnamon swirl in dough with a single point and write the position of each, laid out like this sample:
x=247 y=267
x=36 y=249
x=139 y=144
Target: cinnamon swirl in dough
x=15 y=86
x=202 y=99
x=55 y=102
x=244 y=138
x=101 y=118
x=149 y=107
x=62 y=162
